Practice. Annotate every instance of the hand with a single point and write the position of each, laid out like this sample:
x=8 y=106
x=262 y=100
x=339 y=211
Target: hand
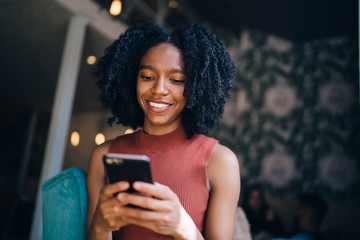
x=107 y=217
x=161 y=210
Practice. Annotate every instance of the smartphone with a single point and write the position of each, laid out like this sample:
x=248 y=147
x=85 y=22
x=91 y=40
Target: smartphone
x=127 y=167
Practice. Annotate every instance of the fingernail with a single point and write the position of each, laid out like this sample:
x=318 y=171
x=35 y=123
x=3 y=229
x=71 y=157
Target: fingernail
x=136 y=184
x=119 y=196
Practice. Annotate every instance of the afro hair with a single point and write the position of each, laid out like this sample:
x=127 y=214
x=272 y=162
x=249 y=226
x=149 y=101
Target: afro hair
x=208 y=67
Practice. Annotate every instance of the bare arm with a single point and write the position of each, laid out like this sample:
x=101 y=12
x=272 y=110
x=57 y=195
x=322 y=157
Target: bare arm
x=224 y=177
x=95 y=182
x=101 y=217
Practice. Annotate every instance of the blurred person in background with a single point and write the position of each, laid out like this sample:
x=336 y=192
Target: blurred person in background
x=265 y=223
x=310 y=213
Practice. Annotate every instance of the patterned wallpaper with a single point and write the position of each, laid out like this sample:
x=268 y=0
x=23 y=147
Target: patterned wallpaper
x=293 y=119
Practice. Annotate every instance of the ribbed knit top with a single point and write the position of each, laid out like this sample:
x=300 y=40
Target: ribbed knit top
x=176 y=162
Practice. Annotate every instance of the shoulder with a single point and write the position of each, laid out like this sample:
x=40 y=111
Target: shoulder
x=101 y=149
x=223 y=163
x=96 y=156
x=203 y=140
x=223 y=156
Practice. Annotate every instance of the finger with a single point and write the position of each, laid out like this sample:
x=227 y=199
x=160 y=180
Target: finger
x=110 y=206
x=115 y=222
x=139 y=222
x=139 y=214
x=108 y=191
x=157 y=226
x=143 y=201
x=156 y=190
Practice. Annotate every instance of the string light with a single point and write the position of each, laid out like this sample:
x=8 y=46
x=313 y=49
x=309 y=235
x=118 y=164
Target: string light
x=128 y=131
x=91 y=60
x=115 y=8
x=99 y=138
x=173 y=4
x=75 y=138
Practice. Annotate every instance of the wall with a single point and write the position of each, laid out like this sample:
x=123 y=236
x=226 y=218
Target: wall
x=293 y=121
x=88 y=124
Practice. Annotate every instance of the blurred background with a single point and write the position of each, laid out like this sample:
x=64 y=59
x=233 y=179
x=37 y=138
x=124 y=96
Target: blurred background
x=293 y=119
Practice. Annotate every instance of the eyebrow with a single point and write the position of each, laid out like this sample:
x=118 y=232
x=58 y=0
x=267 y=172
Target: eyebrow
x=175 y=70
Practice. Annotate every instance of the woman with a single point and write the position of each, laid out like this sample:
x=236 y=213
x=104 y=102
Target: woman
x=174 y=86
x=265 y=223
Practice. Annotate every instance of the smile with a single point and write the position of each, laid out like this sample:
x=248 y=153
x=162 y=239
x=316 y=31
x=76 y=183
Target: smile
x=158 y=105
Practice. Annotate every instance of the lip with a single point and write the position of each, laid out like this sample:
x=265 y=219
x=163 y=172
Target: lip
x=158 y=109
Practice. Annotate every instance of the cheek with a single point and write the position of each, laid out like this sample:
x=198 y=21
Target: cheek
x=138 y=93
x=180 y=95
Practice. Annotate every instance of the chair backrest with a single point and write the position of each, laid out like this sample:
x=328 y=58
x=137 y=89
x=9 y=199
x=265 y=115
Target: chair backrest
x=299 y=236
x=65 y=200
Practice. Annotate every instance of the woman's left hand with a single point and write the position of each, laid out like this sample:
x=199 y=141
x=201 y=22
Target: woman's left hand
x=162 y=211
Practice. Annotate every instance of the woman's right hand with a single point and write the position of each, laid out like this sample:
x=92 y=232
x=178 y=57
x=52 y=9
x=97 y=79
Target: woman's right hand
x=106 y=216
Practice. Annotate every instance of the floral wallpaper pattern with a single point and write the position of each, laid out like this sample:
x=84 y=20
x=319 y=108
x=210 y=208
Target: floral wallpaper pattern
x=293 y=119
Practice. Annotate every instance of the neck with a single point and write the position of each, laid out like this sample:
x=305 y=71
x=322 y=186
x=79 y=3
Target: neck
x=159 y=130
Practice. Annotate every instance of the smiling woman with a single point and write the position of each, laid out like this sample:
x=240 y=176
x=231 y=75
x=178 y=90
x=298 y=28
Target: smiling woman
x=173 y=86
x=160 y=89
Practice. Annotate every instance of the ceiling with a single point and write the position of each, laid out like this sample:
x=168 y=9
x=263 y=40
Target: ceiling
x=296 y=20
x=32 y=36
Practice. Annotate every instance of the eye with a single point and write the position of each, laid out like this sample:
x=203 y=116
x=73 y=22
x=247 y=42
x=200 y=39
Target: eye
x=147 y=77
x=177 y=81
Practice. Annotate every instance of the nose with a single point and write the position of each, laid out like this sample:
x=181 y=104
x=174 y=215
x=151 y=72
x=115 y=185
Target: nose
x=160 y=86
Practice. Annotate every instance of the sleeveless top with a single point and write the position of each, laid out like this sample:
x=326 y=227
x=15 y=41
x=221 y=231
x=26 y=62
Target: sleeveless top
x=176 y=162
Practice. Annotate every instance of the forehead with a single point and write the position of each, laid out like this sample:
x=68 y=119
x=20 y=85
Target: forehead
x=255 y=192
x=163 y=56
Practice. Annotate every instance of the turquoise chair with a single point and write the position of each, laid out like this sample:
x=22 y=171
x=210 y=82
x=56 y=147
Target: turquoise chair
x=300 y=236
x=65 y=200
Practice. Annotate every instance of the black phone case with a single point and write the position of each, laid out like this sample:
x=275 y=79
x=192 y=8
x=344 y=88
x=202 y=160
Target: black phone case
x=127 y=167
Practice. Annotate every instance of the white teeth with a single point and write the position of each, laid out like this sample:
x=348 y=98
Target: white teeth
x=159 y=105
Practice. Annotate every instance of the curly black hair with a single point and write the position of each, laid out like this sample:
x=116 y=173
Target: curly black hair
x=208 y=67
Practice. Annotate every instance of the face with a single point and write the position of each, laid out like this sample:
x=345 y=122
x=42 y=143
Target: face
x=255 y=200
x=160 y=88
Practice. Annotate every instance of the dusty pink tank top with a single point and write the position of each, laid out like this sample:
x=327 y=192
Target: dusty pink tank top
x=177 y=162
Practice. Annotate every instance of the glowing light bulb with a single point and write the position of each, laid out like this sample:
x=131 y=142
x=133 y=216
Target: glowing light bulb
x=90 y=60
x=128 y=131
x=173 y=4
x=115 y=8
x=99 y=138
x=75 y=138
